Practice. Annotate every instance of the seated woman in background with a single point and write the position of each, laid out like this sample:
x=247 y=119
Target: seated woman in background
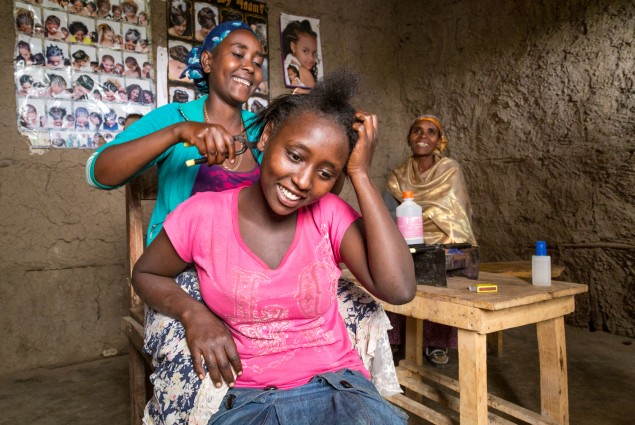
x=439 y=187
x=208 y=125
x=267 y=257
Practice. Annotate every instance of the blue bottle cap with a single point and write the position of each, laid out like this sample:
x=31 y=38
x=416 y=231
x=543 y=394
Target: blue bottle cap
x=541 y=248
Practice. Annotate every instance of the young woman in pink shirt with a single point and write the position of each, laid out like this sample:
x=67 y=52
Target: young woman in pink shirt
x=267 y=258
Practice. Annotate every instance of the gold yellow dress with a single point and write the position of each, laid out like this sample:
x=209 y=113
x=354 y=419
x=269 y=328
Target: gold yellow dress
x=442 y=193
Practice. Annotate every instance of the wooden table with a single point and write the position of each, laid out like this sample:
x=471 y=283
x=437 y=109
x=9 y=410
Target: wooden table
x=516 y=303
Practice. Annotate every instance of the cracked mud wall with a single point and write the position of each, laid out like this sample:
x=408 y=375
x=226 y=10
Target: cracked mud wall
x=62 y=264
x=539 y=102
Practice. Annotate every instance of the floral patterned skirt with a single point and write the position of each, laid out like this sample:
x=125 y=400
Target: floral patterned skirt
x=180 y=397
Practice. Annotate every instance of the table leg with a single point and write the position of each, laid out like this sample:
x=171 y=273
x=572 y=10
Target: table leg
x=472 y=377
x=495 y=343
x=414 y=340
x=554 y=393
x=414 y=349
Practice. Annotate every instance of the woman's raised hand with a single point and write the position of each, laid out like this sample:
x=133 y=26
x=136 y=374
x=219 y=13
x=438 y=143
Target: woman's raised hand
x=211 y=140
x=362 y=155
x=209 y=340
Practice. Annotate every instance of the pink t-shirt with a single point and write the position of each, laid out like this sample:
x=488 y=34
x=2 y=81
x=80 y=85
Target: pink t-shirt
x=285 y=322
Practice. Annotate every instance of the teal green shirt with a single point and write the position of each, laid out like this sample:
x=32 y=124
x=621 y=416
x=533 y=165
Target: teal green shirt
x=175 y=178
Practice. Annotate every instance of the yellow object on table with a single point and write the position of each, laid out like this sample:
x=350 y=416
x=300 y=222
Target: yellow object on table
x=484 y=287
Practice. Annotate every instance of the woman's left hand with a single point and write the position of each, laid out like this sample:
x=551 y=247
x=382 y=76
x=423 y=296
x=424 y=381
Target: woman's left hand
x=362 y=155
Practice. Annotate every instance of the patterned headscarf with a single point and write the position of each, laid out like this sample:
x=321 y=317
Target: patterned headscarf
x=436 y=122
x=193 y=69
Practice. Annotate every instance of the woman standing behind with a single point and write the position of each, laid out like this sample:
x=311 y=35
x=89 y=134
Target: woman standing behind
x=228 y=67
x=439 y=187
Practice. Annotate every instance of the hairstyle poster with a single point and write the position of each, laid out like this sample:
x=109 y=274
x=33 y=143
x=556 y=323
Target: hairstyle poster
x=81 y=66
x=301 y=51
x=189 y=22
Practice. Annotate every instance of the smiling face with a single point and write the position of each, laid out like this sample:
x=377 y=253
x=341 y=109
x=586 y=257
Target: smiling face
x=302 y=161
x=108 y=37
x=305 y=49
x=108 y=65
x=292 y=73
x=130 y=44
x=234 y=67
x=25 y=53
x=78 y=6
x=179 y=29
x=51 y=27
x=424 y=138
x=79 y=35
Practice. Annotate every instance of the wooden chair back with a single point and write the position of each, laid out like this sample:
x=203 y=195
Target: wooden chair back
x=139 y=191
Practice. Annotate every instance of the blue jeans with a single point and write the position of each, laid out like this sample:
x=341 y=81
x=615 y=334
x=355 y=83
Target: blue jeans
x=343 y=397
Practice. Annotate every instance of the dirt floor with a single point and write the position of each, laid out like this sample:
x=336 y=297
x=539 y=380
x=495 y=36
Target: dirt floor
x=601 y=383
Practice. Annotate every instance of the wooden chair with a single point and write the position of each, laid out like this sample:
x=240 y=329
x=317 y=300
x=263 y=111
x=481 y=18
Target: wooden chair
x=138 y=191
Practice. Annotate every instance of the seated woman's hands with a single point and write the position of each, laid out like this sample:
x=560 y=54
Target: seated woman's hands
x=208 y=339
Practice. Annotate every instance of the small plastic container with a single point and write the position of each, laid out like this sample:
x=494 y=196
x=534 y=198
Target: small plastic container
x=410 y=219
x=541 y=266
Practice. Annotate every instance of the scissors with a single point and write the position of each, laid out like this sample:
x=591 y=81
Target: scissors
x=245 y=144
x=242 y=138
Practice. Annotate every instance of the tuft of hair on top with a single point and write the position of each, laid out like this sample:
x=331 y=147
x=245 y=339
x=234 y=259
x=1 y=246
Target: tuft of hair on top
x=330 y=98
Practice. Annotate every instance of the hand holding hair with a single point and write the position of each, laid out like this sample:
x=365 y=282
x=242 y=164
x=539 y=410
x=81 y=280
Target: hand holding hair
x=366 y=126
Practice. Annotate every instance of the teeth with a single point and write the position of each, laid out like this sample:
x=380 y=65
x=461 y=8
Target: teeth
x=241 y=81
x=290 y=196
x=422 y=144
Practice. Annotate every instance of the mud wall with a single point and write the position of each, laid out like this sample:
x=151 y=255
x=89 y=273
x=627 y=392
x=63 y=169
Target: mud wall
x=539 y=101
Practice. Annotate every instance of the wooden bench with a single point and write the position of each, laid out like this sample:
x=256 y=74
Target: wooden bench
x=141 y=190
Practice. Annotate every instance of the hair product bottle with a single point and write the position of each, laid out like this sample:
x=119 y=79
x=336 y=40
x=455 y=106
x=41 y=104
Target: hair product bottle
x=541 y=265
x=410 y=219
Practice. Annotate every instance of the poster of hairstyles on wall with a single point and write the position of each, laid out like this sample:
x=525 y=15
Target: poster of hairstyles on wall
x=189 y=22
x=301 y=50
x=79 y=68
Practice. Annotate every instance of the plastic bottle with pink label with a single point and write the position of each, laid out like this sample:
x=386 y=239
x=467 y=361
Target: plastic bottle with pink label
x=410 y=219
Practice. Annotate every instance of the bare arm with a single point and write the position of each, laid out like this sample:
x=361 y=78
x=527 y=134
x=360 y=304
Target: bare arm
x=375 y=251
x=118 y=163
x=206 y=334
